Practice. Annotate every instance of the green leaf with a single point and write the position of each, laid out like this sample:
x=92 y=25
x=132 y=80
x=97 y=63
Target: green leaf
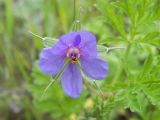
x=116 y=20
x=149 y=80
x=152 y=38
x=146 y=69
x=109 y=105
x=129 y=98
x=130 y=6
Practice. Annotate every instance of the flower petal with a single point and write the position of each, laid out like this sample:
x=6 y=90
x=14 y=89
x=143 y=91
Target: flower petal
x=50 y=62
x=77 y=40
x=59 y=48
x=95 y=68
x=72 y=81
x=87 y=46
x=68 y=39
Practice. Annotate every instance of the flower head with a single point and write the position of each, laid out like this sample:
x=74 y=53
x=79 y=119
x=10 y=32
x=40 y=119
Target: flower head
x=78 y=47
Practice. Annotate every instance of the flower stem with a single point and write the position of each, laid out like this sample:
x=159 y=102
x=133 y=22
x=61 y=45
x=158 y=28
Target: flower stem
x=74 y=10
x=76 y=18
x=121 y=65
x=100 y=91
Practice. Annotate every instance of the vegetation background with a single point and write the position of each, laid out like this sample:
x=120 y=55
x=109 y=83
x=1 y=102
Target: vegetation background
x=130 y=92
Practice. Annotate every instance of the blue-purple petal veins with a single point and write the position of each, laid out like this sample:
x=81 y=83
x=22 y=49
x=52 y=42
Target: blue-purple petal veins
x=76 y=46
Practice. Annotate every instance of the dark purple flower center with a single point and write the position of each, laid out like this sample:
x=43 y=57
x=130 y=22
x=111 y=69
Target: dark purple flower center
x=73 y=53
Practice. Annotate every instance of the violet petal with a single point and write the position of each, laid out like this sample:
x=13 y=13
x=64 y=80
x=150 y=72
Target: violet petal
x=95 y=68
x=72 y=81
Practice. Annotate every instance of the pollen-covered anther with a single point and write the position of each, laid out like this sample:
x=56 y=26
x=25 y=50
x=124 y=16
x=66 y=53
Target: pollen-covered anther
x=73 y=53
x=73 y=60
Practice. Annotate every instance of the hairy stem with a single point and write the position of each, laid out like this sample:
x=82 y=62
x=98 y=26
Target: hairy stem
x=121 y=65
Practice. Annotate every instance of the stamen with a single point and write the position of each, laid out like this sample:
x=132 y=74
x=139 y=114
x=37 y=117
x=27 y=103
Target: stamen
x=73 y=53
x=74 y=60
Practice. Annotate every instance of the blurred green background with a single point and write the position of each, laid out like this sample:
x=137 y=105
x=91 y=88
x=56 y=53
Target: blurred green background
x=131 y=90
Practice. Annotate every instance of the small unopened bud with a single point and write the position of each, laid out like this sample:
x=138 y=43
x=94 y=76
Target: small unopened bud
x=73 y=116
x=88 y=104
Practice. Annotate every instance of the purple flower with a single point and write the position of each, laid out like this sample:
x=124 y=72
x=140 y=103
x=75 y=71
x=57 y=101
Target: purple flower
x=77 y=47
